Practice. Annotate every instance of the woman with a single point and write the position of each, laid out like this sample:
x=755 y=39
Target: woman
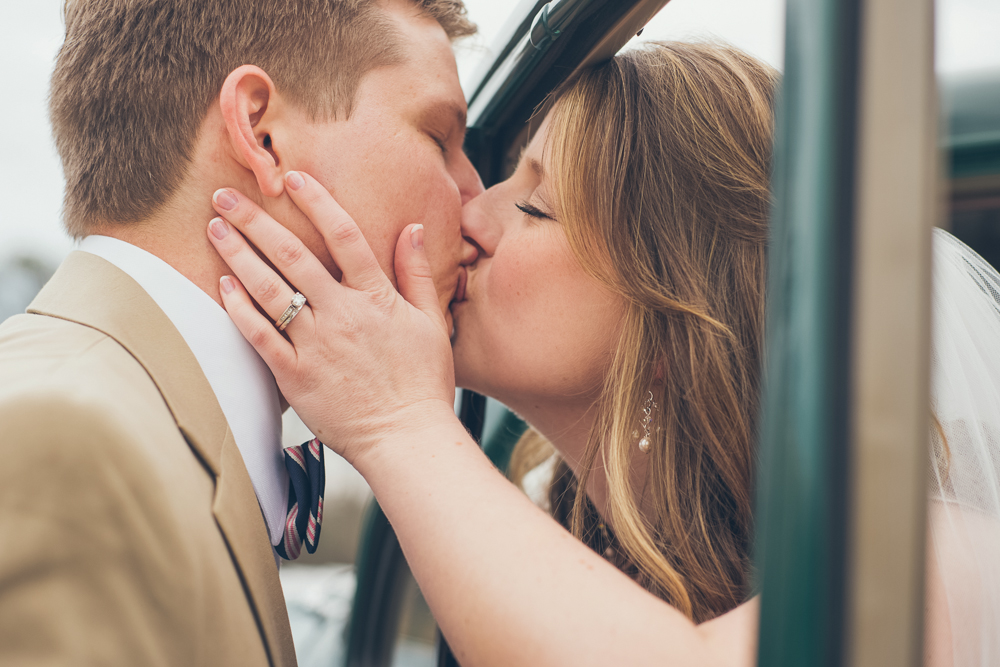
x=617 y=305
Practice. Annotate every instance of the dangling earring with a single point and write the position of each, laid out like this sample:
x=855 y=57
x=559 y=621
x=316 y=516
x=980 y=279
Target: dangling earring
x=647 y=418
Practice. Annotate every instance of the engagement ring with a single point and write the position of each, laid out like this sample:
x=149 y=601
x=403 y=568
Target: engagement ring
x=298 y=301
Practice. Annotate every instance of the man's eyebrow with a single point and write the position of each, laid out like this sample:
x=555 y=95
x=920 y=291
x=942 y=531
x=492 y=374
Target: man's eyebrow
x=446 y=109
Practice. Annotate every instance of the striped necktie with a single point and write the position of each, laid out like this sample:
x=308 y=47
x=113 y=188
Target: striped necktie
x=306 y=482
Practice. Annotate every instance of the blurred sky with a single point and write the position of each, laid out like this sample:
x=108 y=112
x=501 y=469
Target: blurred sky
x=30 y=34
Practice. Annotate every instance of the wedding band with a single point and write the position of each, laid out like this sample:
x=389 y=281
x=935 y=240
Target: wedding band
x=298 y=301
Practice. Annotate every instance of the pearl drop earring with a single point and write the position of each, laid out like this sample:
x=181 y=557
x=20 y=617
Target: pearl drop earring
x=647 y=418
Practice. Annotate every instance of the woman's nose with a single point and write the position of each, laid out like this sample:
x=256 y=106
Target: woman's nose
x=478 y=227
x=470 y=252
x=470 y=185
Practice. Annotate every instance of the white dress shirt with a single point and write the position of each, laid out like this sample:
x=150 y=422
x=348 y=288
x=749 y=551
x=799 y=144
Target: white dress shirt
x=241 y=380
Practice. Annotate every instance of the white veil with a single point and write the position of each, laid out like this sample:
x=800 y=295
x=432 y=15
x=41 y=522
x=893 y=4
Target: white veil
x=963 y=586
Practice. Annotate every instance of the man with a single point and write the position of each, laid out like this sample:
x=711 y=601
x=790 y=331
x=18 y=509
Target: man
x=143 y=491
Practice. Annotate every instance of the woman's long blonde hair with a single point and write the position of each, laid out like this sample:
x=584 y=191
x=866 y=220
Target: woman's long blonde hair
x=661 y=163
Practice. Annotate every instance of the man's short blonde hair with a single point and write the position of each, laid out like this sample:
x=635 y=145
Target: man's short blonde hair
x=135 y=78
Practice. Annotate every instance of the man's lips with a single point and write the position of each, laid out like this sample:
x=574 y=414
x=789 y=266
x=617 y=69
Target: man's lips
x=463 y=276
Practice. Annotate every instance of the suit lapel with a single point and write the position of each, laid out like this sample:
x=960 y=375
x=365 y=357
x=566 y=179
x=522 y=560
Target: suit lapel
x=91 y=291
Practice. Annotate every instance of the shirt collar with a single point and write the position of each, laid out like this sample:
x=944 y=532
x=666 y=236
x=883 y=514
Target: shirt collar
x=242 y=382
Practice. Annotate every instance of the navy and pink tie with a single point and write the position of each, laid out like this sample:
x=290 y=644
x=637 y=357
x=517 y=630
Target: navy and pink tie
x=307 y=479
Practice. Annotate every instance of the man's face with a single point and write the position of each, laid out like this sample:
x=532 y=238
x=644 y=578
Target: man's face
x=398 y=159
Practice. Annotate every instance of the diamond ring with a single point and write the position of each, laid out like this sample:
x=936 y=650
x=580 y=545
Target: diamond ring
x=298 y=301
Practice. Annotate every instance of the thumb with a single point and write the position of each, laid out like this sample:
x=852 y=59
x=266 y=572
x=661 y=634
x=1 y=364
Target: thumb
x=413 y=274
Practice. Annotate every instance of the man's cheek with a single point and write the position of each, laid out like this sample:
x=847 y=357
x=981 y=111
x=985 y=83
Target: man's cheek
x=444 y=284
x=444 y=255
x=384 y=249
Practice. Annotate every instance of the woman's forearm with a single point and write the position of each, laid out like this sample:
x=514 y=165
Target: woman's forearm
x=507 y=585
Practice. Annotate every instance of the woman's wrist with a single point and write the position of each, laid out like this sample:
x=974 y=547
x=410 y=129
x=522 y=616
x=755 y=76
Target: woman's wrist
x=409 y=440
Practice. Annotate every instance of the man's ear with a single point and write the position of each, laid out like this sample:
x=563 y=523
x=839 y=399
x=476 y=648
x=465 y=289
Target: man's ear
x=249 y=107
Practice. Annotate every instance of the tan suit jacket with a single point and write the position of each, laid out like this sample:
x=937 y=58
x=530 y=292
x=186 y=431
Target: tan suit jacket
x=130 y=533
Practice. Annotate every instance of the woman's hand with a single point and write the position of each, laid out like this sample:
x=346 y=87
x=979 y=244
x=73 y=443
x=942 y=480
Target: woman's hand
x=360 y=363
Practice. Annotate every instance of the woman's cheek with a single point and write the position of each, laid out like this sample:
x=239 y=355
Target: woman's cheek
x=519 y=285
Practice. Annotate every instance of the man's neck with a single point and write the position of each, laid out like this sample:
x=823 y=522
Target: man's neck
x=191 y=256
x=177 y=235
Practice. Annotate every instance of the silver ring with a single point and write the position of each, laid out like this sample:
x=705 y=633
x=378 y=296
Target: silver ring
x=298 y=301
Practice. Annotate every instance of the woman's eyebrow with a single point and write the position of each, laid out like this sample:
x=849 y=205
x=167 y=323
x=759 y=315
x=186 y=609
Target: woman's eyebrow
x=536 y=167
x=533 y=164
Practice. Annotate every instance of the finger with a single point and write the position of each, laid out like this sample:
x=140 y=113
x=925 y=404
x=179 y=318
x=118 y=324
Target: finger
x=264 y=284
x=413 y=273
x=273 y=348
x=344 y=240
x=283 y=248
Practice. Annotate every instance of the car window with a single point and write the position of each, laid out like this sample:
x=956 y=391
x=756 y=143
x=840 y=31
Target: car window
x=496 y=22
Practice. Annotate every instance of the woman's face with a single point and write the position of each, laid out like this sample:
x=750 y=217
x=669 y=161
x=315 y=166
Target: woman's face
x=534 y=328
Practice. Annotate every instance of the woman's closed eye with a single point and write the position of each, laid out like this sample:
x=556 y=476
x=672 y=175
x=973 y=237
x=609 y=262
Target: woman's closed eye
x=532 y=211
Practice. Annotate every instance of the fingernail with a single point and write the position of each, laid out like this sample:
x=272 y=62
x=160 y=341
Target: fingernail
x=294 y=180
x=219 y=228
x=224 y=199
x=417 y=237
x=226 y=284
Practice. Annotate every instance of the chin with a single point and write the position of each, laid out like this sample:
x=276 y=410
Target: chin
x=463 y=378
x=466 y=376
x=451 y=318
